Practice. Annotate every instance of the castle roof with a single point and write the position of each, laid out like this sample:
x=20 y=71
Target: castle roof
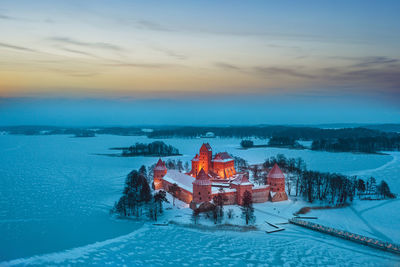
x=206 y=146
x=202 y=178
x=275 y=173
x=196 y=158
x=222 y=157
x=182 y=180
x=242 y=179
x=160 y=166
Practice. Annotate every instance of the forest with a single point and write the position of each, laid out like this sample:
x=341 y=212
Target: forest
x=333 y=140
x=157 y=148
x=366 y=139
x=332 y=188
x=137 y=197
x=362 y=144
x=268 y=131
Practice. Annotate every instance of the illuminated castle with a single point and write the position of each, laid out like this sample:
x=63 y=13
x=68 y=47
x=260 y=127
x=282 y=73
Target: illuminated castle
x=221 y=166
x=217 y=175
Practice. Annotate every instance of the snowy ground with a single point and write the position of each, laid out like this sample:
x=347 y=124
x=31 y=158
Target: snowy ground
x=56 y=194
x=189 y=245
x=390 y=172
x=379 y=219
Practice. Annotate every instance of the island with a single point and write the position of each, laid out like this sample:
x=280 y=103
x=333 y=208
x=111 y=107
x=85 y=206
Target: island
x=154 y=149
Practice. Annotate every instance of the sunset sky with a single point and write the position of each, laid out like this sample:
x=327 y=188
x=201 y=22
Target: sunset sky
x=127 y=62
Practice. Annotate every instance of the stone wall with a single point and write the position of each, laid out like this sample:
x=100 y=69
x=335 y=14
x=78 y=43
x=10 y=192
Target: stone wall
x=368 y=241
x=260 y=195
x=279 y=196
x=231 y=198
x=183 y=195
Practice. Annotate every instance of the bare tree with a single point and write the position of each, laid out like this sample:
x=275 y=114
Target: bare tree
x=247 y=207
x=174 y=190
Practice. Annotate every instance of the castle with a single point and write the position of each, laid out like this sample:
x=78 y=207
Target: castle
x=211 y=175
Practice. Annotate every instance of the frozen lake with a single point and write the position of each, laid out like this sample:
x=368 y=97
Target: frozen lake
x=56 y=193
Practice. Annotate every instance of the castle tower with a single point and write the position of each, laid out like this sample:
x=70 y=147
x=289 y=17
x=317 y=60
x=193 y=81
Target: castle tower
x=276 y=180
x=205 y=157
x=195 y=166
x=242 y=184
x=223 y=165
x=159 y=171
x=202 y=188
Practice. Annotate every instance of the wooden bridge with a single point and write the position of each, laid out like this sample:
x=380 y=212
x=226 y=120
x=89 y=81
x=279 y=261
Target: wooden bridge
x=368 y=241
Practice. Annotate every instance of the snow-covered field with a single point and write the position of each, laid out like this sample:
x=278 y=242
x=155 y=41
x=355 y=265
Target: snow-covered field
x=378 y=219
x=55 y=195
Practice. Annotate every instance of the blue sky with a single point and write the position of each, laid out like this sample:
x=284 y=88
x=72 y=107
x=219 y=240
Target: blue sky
x=250 y=61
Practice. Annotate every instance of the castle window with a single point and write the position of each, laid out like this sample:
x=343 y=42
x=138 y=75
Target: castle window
x=199 y=193
x=200 y=198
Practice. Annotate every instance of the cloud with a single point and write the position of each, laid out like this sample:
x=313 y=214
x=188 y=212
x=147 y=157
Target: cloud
x=384 y=78
x=284 y=46
x=12 y=18
x=139 y=65
x=373 y=61
x=151 y=25
x=367 y=72
x=101 y=45
x=263 y=70
x=79 y=52
x=282 y=71
x=16 y=47
x=89 y=74
x=228 y=66
x=171 y=53
x=74 y=73
x=5 y=17
x=369 y=75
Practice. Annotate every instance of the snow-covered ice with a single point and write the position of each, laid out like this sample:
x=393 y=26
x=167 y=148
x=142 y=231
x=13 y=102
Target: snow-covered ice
x=56 y=193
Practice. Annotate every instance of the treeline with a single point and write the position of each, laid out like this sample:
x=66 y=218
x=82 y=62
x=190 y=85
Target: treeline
x=157 y=148
x=54 y=130
x=246 y=143
x=274 y=141
x=295 y=133
x=284 y=141
x=138 y=199
x=362 y=144
x=333 y=188
x=262 y=131
x=240 y=163
x=340 y=140
x=48 y=130
x=344 y=140
x=85 y=133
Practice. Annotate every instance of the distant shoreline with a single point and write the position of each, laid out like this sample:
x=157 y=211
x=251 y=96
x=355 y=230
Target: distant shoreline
x=132 y=156
x=305 y=148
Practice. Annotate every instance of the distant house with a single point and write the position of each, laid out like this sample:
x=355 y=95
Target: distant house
x=213 y=175
x=209 y=135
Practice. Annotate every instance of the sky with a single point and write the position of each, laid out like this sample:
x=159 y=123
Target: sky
x=199 y=62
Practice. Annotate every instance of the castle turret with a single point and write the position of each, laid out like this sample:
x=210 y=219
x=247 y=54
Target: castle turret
x=276 y=180
x=242 y=184
x=202 y=188
x=205 y=157
x=223 y=165
x=159 y=172
x=195 y=166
